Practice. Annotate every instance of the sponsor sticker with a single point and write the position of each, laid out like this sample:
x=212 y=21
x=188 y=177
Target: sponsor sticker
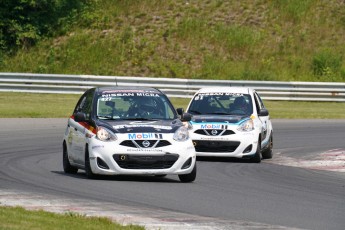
x=142 y=126
x=97 y=146
x=213 y=126
x=128 y=94
x=142 y=136
x=219 y=94
x=145 y=150
x=214 y=138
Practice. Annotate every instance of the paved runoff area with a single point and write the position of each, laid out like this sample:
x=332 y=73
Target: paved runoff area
x=331 y=160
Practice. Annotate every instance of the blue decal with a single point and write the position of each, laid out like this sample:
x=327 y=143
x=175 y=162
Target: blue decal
x=139 y=136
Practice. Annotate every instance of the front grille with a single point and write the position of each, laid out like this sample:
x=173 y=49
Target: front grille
x=128 y=144
x=214 y=132
x=163 y=143
x=216 y=146
x=145 y=161
x=139 y=143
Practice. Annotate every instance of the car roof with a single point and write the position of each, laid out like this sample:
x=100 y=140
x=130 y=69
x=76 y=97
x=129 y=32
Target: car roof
x=242 y=90
x=126 y=88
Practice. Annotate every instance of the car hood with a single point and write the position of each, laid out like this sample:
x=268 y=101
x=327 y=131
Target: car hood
x=138 y=126
x=231 y=119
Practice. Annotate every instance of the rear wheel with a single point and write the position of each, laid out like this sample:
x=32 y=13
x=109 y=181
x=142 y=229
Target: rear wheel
x=190 y=177
x=268 y=152
x=257 y=157
x=88 y=170
x=67 y=167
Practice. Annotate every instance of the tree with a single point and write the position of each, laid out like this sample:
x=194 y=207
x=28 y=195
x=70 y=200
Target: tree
x=24 y=22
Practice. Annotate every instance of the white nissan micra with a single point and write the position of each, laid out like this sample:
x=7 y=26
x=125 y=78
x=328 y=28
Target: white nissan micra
x=230 y=122
x=128 y=131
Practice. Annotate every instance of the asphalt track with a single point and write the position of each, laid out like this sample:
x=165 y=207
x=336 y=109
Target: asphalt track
x=303 y=186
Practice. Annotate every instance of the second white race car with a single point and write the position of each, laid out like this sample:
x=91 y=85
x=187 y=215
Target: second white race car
x=230 y=122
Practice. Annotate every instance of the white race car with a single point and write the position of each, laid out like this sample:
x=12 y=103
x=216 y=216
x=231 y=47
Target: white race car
x=128 y=130
x=230 y=122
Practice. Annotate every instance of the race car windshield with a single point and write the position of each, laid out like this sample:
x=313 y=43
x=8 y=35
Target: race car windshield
x=221 y=104
x=134 y=106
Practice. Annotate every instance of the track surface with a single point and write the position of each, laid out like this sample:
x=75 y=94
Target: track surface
x=228 y=189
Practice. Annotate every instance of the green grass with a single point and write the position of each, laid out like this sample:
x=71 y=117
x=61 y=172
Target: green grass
x=285 y=40
x=306 y=110
x=13 y=218
x=37 y=105
x=20 y=105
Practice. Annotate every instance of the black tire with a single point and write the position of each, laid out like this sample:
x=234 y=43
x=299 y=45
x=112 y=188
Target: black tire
x=190 y=177
x=268 y=152
x=257 y=157
x=88 y=170
x=67 y=167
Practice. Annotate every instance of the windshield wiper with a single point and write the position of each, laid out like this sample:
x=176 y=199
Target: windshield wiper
x=105 y=117
x=194 y=112
x=219 y=113
x=139 y=119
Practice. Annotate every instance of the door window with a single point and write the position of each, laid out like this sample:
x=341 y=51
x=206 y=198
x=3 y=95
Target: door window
x=85 y=104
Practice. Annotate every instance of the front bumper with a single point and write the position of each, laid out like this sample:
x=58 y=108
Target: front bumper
x=110 y=158
x=239 y=145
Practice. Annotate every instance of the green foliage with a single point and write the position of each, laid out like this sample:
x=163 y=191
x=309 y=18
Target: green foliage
x=293 y=9
x=24 y=22
x=236 y=37
x=192 y=28
x=327 y=64
x=280 y=40
x=19 y=218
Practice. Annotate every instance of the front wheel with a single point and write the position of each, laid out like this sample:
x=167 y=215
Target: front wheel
x=268 y=152
x=67 y=167
x=190 y=177
x=257 y=157
x=88 y=170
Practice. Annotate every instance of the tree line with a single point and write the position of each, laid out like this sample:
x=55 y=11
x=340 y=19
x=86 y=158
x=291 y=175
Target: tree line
x=25 y=22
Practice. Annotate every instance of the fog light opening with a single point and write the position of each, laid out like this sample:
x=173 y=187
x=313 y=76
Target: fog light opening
x=248 y=149
x=102 y=164
x=187 y=164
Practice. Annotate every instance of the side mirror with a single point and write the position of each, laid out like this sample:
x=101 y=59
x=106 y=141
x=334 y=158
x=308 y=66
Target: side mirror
x=186 y=117
x=263 y=112
x=80 y=117
x=180 y=111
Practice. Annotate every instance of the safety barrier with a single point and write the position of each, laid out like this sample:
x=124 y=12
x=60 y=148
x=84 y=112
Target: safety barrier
x=185 y=88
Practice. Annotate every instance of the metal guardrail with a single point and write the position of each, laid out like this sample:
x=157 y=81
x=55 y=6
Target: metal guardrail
x=77 y=84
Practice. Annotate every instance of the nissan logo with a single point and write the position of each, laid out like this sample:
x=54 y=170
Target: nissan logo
x=214 y=132
x=146 y=144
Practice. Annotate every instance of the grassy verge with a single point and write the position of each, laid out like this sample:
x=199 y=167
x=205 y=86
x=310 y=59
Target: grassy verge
x=54 y=106
x=16 y=218
x=37 y=105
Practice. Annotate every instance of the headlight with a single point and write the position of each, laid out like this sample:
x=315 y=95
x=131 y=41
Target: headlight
x=181 y=134
x=104 y=134
x=246 y=126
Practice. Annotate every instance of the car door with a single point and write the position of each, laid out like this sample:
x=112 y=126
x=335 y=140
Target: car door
x=264 y=119
x=78 y=130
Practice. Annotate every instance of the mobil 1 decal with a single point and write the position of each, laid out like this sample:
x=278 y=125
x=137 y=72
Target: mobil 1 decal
x=213 y=126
